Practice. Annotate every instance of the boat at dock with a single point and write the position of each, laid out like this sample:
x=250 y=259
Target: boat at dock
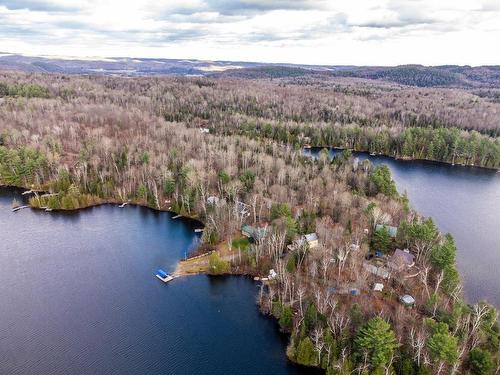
x=163 y=276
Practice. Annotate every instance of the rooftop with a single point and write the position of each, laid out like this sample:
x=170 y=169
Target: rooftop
x=393 y=231
x=311 y=237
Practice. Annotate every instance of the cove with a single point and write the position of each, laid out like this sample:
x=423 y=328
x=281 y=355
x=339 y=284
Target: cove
x=78 y=296
x=464 y=201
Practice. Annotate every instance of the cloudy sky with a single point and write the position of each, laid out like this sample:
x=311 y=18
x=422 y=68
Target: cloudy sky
x=361 y=32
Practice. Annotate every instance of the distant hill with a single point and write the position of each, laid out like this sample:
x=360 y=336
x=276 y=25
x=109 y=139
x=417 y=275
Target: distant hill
x=410 y=75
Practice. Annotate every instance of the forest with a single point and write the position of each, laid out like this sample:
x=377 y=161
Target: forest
x=228 y=152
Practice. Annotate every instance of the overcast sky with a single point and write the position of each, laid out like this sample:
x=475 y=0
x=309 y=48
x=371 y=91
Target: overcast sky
x=334 y=32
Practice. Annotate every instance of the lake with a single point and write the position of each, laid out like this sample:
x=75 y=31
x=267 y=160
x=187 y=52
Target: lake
x=464 y=201
x=78 y=295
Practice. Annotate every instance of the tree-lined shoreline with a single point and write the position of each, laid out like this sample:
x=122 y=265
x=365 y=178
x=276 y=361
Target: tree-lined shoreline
x=321 y=226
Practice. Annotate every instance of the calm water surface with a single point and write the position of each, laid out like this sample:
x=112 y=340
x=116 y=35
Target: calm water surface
x=78 y=296
x=463 y=201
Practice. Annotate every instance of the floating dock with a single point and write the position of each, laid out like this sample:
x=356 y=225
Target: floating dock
x=163 y=276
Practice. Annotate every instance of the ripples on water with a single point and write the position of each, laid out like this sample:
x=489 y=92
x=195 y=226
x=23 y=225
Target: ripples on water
x=78 y=296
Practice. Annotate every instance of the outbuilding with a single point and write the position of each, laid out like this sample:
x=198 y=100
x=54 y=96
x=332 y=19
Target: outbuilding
x=407 y=300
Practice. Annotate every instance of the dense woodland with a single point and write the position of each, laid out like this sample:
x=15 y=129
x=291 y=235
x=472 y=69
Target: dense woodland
x=91 y=140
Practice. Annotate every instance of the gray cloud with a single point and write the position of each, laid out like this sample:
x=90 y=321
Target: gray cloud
x=231 y=7
x=34 y=5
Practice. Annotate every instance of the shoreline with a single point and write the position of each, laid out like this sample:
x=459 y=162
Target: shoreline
x=404 y=158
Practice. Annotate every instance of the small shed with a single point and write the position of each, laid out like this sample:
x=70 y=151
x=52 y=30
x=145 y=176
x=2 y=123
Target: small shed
x=272 y=274
x=312 y=240
x=393 y=231
x=213 y=200
x=378 y=287
x=407 y=300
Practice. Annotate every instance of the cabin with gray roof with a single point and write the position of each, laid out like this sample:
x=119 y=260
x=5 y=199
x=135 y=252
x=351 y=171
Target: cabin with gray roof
x=401 y=260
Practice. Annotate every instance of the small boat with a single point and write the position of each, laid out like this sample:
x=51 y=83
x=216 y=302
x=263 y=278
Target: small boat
x=163 y=276
x=48 y=209
x=372 y=154
x=198 y=230
x=123 y=205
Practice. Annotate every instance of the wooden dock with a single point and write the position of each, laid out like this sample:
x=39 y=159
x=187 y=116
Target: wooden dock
x=19 y=208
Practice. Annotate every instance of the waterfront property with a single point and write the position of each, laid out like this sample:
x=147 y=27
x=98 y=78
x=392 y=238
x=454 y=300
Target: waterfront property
x=92 y=273
x=401 y=260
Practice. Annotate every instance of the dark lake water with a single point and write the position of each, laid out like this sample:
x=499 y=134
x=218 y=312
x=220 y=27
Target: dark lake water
x=78 y=296
x=463 y=201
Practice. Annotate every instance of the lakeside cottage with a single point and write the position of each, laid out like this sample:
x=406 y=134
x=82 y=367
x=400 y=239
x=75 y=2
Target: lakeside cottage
x=401 y=260
x=393 y=231
x=253 y=233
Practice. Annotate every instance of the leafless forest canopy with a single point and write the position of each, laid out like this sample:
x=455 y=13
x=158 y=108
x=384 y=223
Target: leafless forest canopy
x=173 y=143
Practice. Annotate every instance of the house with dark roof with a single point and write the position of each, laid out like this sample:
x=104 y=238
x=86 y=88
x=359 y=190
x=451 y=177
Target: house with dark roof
x=401 y=260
